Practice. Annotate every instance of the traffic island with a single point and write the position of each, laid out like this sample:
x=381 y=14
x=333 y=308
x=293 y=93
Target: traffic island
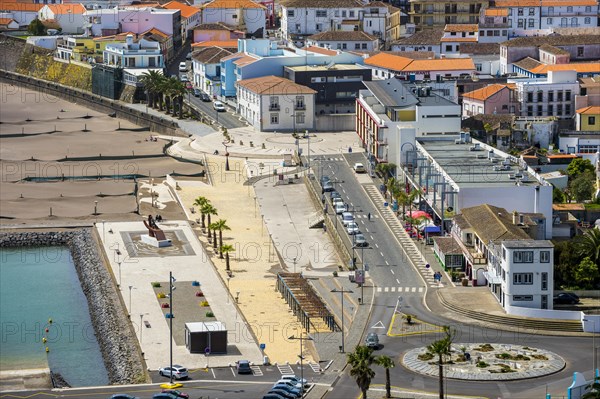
x=486 y=362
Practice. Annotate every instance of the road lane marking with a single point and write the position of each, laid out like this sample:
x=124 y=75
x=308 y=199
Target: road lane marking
x=387 y=263
x=376 y=245
x=391 y=270
x=398 y=281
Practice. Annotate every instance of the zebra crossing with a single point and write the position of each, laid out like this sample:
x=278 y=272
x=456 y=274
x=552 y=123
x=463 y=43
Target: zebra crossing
x=400 y=289
x=359 y=216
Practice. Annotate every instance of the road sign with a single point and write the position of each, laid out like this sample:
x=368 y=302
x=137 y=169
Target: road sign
x=262 y=347
x=379 y=324
x=207 y=350
x=427 y=266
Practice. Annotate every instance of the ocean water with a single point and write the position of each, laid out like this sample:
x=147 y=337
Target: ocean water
x=38 y=284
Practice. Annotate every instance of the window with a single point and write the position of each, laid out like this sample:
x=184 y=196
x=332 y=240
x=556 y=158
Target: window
x=356 y=46
x=530 y=97
x=545 y=256
x=520 y=23
x=588 y=9
x=319 y=27
x=559 y=109
x=591 y=120
x=550 y=10
x=298 y=28
x=448 y=47
x=551 y=96
x=300 y=102
x=274 y=119
x=478 y=67
x=531 y=23
x=351 y=14
x=290 y=13
x=529 y=110
x=550 y=110
x=568 y=95
x=532 y=11
x=364 y=46
x=587 y=20
x=569 y=9
x=520 y=12
x=559 y=95
x=540 y=96
x=321 y=14
x=589 y=149
x=522 y=297
x=505 y=106
x=299 y=118
x=549 y=21
x=337 y=13
x=540 y=110
x=567 y=109
x=343 y=13
x=523 y=257
x=544 y=281
x=274 y=102
x=482 y=33
x=522 y=278
x=579 y=51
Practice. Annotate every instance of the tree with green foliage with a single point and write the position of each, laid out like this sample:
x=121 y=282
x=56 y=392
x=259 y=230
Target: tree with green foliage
x=385 y=169
x=220 y=225
x=587 y=273
x=200 y=202
x=558 y=196
x=579 y=166
x=582 y=186
x=360 y=362
x=387 y=363
x=441 y=348
x=566 y=260
x=588 y=245
x=226 y=249
x=37 y=28
x=208 y=210
x=593 y=390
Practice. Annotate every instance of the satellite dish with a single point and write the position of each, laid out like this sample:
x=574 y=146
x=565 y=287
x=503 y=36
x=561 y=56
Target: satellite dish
x=449 y=209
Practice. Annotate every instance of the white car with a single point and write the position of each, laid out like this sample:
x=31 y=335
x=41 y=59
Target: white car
x=336 y=201
x=340 y=208
x=182 y=67
x=359 y=168
x=293 y=378
x=219 y=106
x=179 y=372
x=290 y=383
x=352 y=228
x=347 y=217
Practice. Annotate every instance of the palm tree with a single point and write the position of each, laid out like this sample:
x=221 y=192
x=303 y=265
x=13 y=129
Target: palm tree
x=387 y=363
x=152 y=81
x=226 y=249
x=361 y=360
x=213 y=227
x=209 y=210
x=385 y=169
x=442 y=348
x=220 y=225
x=390 y=185
x=406 y=199
x=594 y=391
x=588 y=245
x=200 y=202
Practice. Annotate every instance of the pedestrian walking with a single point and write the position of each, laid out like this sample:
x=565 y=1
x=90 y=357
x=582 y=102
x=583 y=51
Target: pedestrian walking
x=369 y=216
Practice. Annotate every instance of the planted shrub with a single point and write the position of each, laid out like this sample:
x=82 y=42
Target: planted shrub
x=156 y=284
x=204 y=304
x=210 y=314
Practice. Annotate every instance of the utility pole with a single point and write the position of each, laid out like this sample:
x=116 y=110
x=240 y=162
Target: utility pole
x=342 y=292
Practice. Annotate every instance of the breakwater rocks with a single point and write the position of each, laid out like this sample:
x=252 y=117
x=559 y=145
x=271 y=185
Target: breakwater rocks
x=120 y=352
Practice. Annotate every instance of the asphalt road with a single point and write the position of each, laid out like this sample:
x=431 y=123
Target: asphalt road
x=390 y=267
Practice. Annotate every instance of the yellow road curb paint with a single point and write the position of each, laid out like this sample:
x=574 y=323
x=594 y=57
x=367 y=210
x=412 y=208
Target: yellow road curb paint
x=171 y=386
x=416 y=391
x=434 y=330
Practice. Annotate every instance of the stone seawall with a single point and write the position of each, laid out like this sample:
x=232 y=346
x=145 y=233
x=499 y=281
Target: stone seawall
x=118 y=346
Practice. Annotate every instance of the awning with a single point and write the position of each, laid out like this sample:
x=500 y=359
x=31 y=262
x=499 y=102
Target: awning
x=492 y=278
x=431 y=229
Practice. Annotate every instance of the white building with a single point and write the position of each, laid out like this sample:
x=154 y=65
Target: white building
x=272 y=103
x=343 y=40
x=386 y=65
x=190 y=16
x=456 y=35
x=551 y=96
x=22 y=13
x=140 y=54
x=69 y=16
x=244 y=15
x=206 y=63
x=583 y=144
x=493 y=25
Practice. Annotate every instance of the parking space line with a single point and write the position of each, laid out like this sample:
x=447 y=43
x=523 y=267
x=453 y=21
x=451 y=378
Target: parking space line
x=232 y=372
x=256 y=371
x=398 y=281
x=213 y=373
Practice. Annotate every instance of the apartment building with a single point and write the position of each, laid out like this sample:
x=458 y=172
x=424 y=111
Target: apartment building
x=69 y=17
x=493 y=25
x=190 y=16
x=427 y=14
x=134 y=54
x=455 y=35
x=342 y=40
x=206 y=63
x=245 y=15
x=386 y=65
x=492 y=99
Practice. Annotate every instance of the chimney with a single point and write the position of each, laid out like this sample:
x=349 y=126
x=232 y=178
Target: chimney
x=515 y=217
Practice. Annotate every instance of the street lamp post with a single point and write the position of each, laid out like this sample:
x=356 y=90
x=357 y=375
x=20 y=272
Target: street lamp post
x=171 y=281
x=362 y=285
x=301 y=338
x=96 y=211
x=295 y=259
x=342 y=292
x=225 y=143
x=103 y=231
x=594 y=365
x=119 y=263
x=130 y=288
x=141 y=329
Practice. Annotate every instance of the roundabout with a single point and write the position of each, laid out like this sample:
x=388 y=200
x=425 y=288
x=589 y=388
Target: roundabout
x=486 y=362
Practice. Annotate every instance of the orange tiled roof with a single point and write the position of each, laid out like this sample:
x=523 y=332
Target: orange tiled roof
x=63 y=9
x=320 y=50
x=6 y=21
x=591 y=110
x=232 y=4
x=446 y=64
x=143 y=5
x=559 y=156
x=274 y=85
x=117 y=37
x=484 y=93
x=496 y=12
x=389 y=61
x=245 y=60
x=546 y=3
x=186 y=11
x=15 y=6
x=220 y=43
x=155 y=31
x=459 y=39
x=461 y=28
x=590 y=67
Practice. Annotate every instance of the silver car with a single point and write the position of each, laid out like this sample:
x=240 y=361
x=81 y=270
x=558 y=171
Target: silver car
x=178 y=372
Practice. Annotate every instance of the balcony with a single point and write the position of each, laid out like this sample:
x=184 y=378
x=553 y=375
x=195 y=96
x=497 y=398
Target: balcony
x=299 y=106
x=568 y=14
x=274 y=107
x=501 y=25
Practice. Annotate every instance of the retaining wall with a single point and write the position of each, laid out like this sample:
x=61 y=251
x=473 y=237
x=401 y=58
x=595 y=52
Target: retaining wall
x=118 y=345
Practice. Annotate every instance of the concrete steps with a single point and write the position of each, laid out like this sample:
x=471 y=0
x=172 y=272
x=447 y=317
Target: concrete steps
x=513 y=321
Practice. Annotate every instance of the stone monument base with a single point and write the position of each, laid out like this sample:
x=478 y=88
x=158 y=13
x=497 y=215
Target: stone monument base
x=146 y=239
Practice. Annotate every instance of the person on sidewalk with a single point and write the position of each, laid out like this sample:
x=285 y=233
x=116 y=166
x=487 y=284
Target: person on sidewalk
x=369 y=216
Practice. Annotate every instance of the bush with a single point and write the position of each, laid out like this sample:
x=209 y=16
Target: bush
x=482 y=364
x=539 y=357
x=425 y=356
x=204 y=304
x=156 y=284
x=210 y=314
x=335 y=273
x=161 y=295
x=408 y=319
x=485 y=348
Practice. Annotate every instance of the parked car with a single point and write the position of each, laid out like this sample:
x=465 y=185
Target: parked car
x=334 y=194
x=188 y=85
x=176 y=393
x=324 y=179
x=290 y=383
x=336 y=201
x=273 y=396
x=219 y=106
x=347 y=217
x=359 y=168
x=163 y=396
x=243 y=367
x=188 y=56
x=197 y=92
x=352 y=228
x=327 y=187
x=566 y=298
x=292 y=377
x=282 y=393
x=287 y=388
x=360 y=240
x=184 y=78
x=182 y=67
x=123 y=396
x=179 y=372
x=205 y=97
x=372 y=340
x=340 y=208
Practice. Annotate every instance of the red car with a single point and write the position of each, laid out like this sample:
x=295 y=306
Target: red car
x=188 y=85
x=176 y=393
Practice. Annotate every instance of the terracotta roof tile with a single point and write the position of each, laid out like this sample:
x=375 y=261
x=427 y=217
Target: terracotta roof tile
x=545 y=3
x=274 y=85
x=15 y=6
x=461 y=28
x=6 y=21
x=554 y=40
x=64 y=9
x=232 y=4
x=448 y=245
x=220 y=43
x=459 y=39
x=338 y=35
x=389 y=61
x=492 y=223
x=527 y=63
x=424 y=37
x=553 y=49
x=591 y=110
x=320 y=50
x=321 y=3
x=485 y=92
x=245 y=60
x=186 y=11
x=214 y=26
x=589 y=67
x=210 y=55
x=480 y=48
x=447 y=64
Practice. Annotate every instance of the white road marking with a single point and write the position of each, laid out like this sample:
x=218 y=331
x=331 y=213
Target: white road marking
x=376 y=245
x=392 y=271
x=398 y=281
x=388 y=263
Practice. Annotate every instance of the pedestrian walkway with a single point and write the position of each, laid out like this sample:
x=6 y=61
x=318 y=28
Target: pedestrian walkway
x=400 y=289
x=408 y=245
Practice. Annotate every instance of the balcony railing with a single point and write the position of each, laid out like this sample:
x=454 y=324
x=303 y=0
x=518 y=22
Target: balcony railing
x=300 y=106
x=568 y=14
x=274 y=107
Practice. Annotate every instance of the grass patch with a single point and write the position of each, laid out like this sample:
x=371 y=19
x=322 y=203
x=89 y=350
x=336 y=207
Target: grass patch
x=508 y=356
x=482 y=364
x=156 y=284
x=485 y=348
x=425 y=356
x=539 y=357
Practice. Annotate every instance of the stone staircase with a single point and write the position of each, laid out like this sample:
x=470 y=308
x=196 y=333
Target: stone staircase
x=316 y=220
x=538 y=325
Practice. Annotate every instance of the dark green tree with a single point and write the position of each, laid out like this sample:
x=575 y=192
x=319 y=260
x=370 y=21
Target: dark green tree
x=587 y=273
x=360 y=362
x=387 y=363
x=558 y=197
x=441 y=348
x=593 y=391
x=36 y=28
x=588 y=245
x=579 y=166
x=582 y=186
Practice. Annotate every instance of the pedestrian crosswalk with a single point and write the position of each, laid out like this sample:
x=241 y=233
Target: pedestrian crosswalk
x=360 y=216
x=400 y=289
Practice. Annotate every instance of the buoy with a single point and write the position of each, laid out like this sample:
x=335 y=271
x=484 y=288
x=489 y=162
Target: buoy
x=44 y=340
x=47 y=329
x=47 y=349
x=50 y=319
